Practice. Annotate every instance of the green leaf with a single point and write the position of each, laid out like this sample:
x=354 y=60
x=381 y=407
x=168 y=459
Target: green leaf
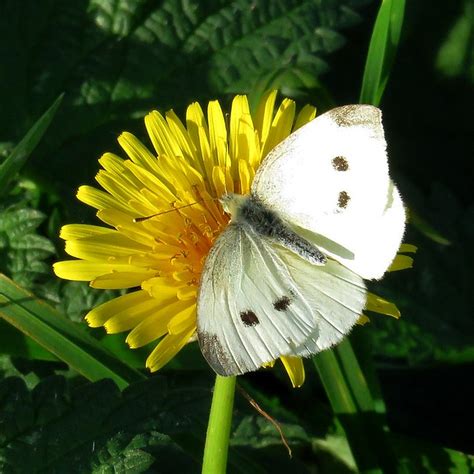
x=436 y=301
x=23 y=150
x=382 y=50
x=97 y=429
x=118 y=59
x=76 y=298
x=352 y=404
x=66 y=340
x=421 y=457
x=23 y=250
x=455 y=56
x=15 y=343
x=426 y=228
x=257 y=438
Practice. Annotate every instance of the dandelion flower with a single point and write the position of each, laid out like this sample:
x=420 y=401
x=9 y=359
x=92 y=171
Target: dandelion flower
x=160 y=259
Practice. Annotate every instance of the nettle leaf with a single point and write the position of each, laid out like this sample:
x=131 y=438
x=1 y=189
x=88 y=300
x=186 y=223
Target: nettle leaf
x=118 y=59
x=23 y=251
x=257 y=437
x=75 y=299
x=96 y=428
x=155 y=426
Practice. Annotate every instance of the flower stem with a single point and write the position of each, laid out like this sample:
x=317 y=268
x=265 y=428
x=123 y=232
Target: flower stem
x=218 y=429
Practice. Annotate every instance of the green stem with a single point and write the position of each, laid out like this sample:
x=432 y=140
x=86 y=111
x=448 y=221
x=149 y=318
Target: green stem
x=218 y=429
x=346 y=409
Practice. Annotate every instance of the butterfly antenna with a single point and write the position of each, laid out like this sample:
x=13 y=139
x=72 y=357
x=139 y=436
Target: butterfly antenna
x=141 y=219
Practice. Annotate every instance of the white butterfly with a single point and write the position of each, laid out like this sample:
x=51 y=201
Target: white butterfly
x=286 y=276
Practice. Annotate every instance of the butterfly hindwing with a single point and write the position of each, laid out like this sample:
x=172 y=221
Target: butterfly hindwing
x=258 y=301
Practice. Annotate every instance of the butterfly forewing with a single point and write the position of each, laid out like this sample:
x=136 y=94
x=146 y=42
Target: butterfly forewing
x=331 y=178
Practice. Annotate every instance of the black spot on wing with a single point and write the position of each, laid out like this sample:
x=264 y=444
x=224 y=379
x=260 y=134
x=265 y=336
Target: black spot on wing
x=281 y=304
x=340 y=163
x=343 y=199
x=249 y=318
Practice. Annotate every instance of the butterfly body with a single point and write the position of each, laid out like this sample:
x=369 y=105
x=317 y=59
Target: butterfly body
x=286 y=276
x=250 y=211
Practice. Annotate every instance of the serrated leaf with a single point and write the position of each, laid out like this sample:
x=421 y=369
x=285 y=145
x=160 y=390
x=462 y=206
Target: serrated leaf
x=18 y=222
x=23 y=250
x=118 y=59
x=422 y=457
x=95 y=428
x=76 y=298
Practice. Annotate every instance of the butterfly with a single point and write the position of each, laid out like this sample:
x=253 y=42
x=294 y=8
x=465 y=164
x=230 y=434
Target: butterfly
x=286 y=276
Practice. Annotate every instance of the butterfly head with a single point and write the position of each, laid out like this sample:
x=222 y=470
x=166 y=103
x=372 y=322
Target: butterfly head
x=231 y=203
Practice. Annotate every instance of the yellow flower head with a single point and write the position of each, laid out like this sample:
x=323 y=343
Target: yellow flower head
x=161 y=258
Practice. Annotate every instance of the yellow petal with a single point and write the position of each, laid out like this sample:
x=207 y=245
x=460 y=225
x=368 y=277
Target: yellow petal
x=295 y=369
x=156 y=325
x=307 y=113
x=102 y=247
x=181 y=136
x=119 y=279
x=138 y=152
x=408 y=248
x=218 y=180
x=246 y=176
x=363 y=320
x=122 y=189
x=195 y=121
x=187 y=292
x=128 y=318
x=243 y=138
x=80 y=270
x=182 y=320
x=100 y=199
x=264 y=115
x=154 y=183
x=379 y=305
x=401 y=262
x=78 y=231
x=97 y=316
x=281 y=126
x=112 y=163
x=161 y=288
x=217 y=133
x=160 y=135
x=125 y=222
x=168 y=348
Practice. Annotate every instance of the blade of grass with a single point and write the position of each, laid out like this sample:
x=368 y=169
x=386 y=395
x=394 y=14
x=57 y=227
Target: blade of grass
x=15 y=343
x=22 y=151
x=359 y=372
x=63 y=338
x=382 y=50
x=426 y=228
x=345 y=407
x=354 y=376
